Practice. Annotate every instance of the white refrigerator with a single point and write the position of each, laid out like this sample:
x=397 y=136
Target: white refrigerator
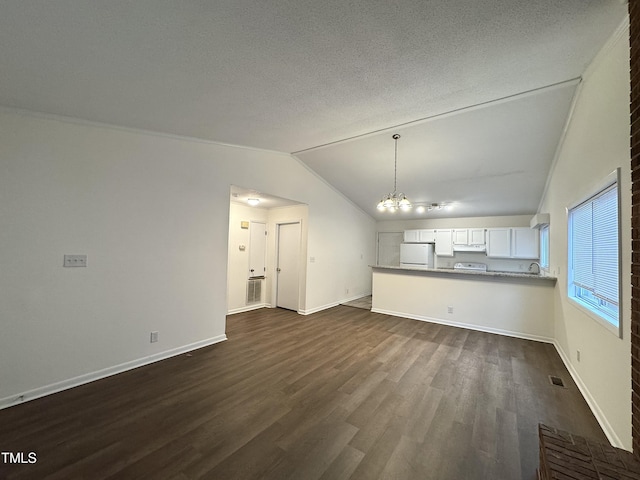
x=418 y=255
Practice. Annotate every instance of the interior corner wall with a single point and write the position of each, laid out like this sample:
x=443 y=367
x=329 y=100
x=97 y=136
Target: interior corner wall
x=595 y=144
x=152 y=214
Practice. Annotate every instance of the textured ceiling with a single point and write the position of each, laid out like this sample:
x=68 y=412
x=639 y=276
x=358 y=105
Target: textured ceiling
x=289 y=75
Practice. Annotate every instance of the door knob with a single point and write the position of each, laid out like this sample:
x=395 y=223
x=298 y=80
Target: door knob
x=278 y=269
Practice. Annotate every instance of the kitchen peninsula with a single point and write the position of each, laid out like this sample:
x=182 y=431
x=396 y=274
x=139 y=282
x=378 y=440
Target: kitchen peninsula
x=507 y=303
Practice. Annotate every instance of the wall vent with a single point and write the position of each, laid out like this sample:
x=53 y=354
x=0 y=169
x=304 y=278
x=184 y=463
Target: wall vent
x=254 y=291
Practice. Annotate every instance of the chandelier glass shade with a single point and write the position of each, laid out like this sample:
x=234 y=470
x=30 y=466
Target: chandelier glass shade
x=394 y=201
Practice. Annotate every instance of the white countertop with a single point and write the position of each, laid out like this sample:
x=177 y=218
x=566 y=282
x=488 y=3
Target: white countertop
x=523 y=275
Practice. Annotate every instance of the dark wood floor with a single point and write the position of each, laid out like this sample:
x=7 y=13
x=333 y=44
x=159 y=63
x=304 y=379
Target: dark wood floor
x=341 y=394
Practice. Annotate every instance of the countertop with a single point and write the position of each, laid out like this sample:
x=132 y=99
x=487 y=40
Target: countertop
x=528 y=276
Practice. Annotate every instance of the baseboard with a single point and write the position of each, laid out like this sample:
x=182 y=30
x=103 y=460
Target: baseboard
x=332 y=304
x=357 y=297
x=318 y=309
x=106 y=372
x=248 y=308
x=593 y=405
x=479 y=328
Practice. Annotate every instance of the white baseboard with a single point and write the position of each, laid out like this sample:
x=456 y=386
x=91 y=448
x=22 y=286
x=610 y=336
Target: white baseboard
x=318 y=309
x=332 y=304
x=593 y=405
x=248 y=308
x=468 y=326
x=106 y=372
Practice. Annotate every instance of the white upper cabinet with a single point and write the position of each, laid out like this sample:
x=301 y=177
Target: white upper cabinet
x=427 y=236
x=444 y=243
x=461 y=236
x=519 y=242
x=411 y=236
x=525 y=243
x=476 y=236
x=419 y=236
x=499 y=242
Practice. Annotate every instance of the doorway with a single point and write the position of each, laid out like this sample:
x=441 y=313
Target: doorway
x=287 y=266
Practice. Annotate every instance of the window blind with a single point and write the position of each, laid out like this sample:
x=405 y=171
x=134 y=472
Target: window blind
x=594 y=245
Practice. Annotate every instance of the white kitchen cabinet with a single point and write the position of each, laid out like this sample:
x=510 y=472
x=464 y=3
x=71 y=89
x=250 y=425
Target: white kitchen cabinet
x=499 y=242
x=476 y=236
x=444 y=243
x=525 y=243
x=517 y=242
x=427 y=236
x=411 y=236
x=461 y=236
x=468 y=236
x=420 y=236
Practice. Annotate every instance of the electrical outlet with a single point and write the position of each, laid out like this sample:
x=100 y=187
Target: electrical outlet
x=154 y=337
x=75 y=261
x=449 y=309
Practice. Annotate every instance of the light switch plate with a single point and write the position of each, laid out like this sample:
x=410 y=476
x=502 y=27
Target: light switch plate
x=75 y=261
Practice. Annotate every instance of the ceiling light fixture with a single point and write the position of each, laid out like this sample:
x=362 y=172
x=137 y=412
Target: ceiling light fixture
x=394 y=201
x=253 y=201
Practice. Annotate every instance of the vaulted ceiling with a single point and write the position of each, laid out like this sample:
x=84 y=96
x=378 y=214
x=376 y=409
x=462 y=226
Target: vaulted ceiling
x=479 y=90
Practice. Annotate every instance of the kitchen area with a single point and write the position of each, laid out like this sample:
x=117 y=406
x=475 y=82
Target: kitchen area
x=482 y=278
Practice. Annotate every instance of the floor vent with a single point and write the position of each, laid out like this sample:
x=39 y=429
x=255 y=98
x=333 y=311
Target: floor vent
x=254 y=291
x=557 y=381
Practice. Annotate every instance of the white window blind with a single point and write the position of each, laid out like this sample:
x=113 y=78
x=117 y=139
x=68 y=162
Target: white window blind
x=594 y=250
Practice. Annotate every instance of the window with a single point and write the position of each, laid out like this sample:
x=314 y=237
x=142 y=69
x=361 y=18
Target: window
x=594 y=256
x=544 y=247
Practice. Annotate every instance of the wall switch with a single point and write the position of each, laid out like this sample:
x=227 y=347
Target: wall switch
x=154 y=337
x=578 y=355
x=312 y=259
x=75 y=261
x=449 y=309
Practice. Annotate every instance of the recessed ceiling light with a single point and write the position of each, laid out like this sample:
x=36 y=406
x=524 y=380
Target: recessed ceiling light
x=253 y=201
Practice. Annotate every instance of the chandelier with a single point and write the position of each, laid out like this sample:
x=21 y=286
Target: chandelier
x=394 y=201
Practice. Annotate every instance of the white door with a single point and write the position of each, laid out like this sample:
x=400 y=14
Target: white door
x=287 y=266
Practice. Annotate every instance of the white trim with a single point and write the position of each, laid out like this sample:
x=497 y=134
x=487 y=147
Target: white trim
x=445 y=114
x=479 y=328
x=560 y=145
x=105 y=372
x=256 y=306
x=621 y=32
x=318 y=309
x=613 y=178
x=332 y=304
x=593 y=405
x=140 y=131
x=356 y=297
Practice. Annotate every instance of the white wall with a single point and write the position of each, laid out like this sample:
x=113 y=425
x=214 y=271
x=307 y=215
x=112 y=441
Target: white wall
x=509 y=306
x=596 y=142
x=152 y=213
